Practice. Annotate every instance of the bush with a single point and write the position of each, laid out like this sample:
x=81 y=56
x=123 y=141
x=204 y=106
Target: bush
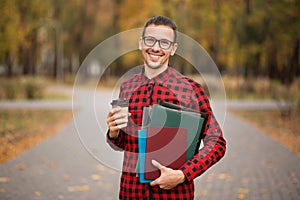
x=11 y=89
x=261 y=88
x=34 y=88
x=22 y=88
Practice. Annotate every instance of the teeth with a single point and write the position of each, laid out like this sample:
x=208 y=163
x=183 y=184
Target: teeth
x=154 y=55
x=154 y=58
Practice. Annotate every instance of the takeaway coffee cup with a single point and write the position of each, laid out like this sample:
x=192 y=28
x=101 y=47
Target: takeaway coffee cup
x=120 y=102
x=123 y=103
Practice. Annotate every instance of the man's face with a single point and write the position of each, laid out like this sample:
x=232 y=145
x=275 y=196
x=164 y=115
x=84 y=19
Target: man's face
x=157 y=55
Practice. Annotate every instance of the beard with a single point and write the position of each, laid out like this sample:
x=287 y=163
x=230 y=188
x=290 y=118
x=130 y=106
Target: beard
x=153 y=65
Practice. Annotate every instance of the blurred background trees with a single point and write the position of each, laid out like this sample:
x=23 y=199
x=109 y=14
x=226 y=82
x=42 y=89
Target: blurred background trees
x=250 y=38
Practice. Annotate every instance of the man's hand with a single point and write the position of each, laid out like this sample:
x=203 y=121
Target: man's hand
x=115 y=121
x=169 y=178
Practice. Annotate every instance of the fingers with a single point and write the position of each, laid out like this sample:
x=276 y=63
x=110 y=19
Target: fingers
x=117 y=120
x=113 y=111
x=154 y=183
x=168 y=178
x=116 y=114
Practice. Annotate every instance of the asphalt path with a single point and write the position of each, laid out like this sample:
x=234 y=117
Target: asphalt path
x=76 y=163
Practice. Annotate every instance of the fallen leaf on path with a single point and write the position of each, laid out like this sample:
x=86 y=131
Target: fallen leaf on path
x=269 y=163
x=52 y=165
x=94 y=150
x=37 y=193
x=21 y=166
x=245 y=180
x=96 y=177
x=295 y=180
x=4 y=179
x=202 y=192
x=2 y=190
x=83 y=188
x=241 y=196
x=242 y=193
x=224 y=176
x=108 y=186
x=211 y=177
x=244 y=190
x=83 y=180
x=108 y=198
x=110 y=171
x=263 y=191
x=101 y=168
x=66 y=177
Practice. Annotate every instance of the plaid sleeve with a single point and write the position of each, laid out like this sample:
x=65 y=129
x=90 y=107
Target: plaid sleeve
x=213 y=140
x=116 y=143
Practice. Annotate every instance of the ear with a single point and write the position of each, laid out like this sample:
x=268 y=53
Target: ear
x=140 y=43
x=174 y=48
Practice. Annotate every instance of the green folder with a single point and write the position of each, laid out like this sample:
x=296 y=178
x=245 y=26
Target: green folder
x=170 y=115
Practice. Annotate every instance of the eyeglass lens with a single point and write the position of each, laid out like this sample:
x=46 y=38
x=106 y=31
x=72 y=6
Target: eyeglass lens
x=163 y=43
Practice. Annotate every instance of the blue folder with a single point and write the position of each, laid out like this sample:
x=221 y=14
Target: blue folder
x=142 y=135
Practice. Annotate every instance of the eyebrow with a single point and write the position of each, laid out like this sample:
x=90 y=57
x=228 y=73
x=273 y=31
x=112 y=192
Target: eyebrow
x=171 y=40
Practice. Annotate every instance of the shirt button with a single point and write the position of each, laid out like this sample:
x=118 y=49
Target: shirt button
x=150 y=86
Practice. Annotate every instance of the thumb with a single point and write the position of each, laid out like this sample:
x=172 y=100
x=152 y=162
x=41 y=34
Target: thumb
x=157 y=164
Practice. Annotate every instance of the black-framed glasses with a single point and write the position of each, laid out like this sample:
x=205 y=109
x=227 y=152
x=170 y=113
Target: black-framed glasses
x=163 y=43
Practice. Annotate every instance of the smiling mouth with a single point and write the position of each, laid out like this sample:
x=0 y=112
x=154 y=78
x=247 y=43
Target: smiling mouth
x=154 y=56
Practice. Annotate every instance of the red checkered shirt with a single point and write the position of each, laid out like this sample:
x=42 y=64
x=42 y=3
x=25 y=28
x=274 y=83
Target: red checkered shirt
x=175 y=88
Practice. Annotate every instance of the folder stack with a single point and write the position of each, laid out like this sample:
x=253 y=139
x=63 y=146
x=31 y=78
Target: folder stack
x=171 y=136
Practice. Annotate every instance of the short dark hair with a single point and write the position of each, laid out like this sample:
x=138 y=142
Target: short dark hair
x=161 y=20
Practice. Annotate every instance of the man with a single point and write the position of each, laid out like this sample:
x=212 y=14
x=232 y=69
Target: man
x=155 y=81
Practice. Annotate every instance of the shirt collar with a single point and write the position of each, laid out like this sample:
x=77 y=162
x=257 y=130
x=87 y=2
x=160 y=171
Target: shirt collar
x=159 y=79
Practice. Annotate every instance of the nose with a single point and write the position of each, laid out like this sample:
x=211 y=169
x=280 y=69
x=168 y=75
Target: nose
x=156 y=46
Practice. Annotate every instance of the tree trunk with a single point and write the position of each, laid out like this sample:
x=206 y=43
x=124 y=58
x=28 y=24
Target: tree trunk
x=55 y=64
x=247 y=7
x=217 y=33
x=33 y=54
x=9 y=65
x=295 y=68
x=272 y=64
x=24 y=60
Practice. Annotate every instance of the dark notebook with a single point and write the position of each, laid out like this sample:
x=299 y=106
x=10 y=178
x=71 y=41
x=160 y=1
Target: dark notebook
x=167 y=146
x=168 y=122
